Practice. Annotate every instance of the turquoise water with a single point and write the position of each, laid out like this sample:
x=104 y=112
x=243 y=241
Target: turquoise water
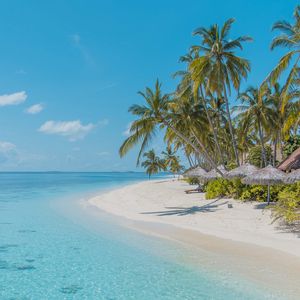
x=52 y=248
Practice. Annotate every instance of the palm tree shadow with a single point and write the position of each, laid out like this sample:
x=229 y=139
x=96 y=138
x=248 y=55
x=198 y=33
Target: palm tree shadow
x=183 y=211
x=289 y=228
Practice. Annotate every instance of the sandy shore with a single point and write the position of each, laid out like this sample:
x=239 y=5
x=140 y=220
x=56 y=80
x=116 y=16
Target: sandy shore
x=244 y=235
x=165 y=202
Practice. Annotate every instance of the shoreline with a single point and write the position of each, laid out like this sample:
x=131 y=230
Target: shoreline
x=243 y=234
x=138 y=201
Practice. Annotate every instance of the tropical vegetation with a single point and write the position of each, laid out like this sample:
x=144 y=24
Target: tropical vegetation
x=199 y=120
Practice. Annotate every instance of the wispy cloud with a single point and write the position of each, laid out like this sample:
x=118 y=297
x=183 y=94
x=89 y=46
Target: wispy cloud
x=103 y=123
x=76 y=41
x=127 y=131
x=13 y=99
x=104 y=153
x=73 y=130
x=21 y=72
x=6 y=147
x=35 y=109
x=7 y=151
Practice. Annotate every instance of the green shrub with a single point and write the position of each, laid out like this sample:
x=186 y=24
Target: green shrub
x=238 y=188
x=219 y=188
x=288 y=205
x=231 y=165
x=235 y=188
x=260 y=193
x=192 y=180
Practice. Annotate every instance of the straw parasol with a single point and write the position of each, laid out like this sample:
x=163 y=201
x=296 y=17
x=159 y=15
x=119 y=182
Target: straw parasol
x=266 y=176
x=293 y=176
x=196 y=172
x=241 y=171
x=213 y=174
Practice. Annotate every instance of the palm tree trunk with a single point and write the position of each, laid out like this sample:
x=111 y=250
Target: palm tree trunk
x=204 y=152
x=212 y=126
x=189 y=160
x=234 y=144
x=264 y=157
x=275 y=150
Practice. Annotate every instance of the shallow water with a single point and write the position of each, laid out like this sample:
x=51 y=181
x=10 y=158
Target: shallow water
x=53 y=248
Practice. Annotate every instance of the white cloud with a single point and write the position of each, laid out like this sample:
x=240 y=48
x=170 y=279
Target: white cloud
x=13 y=99
x=73 y=130
x=127 y=131
x=35 y=109
x=76 y=40
x=8 y=152
x=6 y=147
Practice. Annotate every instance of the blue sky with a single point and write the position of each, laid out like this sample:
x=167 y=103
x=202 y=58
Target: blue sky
x=69 y=70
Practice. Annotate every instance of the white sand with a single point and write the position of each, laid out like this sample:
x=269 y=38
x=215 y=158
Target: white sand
x=166 y=202
x=241 y=239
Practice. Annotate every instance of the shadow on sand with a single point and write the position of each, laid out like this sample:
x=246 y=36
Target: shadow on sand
x=289 y=228
x=183 y=211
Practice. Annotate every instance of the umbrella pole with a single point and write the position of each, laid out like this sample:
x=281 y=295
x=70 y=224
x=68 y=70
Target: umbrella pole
x=268 y=194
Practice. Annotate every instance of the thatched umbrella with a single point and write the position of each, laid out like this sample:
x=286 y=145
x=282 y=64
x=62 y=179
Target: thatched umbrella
x=213 y=174
x=196 y=172
x=266 y=176
x=293 y=176
x=241 y=171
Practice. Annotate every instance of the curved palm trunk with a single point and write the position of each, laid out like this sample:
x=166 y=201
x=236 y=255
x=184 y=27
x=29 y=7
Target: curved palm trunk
x=212 y=126
x=275 y=150
x=204 y=152
x=234 y=144
x=208 y=158
x=264 y=156
x=189 y=160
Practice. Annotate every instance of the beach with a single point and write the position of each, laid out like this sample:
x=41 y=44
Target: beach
x=165 y=201
x=245 y=234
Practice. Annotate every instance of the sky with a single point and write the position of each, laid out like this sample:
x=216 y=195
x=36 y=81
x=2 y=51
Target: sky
x=69 y=70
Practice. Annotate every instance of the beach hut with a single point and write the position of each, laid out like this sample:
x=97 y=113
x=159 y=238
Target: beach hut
x=213 y=174
x=292 y=162
x=241 y=171
x=294 y=176
x=266 y=176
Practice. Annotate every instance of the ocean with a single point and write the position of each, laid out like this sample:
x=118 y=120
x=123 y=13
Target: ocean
x=53 y=247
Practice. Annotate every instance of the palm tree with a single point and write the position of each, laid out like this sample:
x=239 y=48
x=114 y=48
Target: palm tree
x=218 y=67
x=172 y=161
x=169 y=155
x=289 y=38
x=149 y=115
x=175 y=167
x=184 y=89
x=153 y=164
x=246 y=136
x=188 y=118
x=256 y=114
x=284 y=114
x=155 y=113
